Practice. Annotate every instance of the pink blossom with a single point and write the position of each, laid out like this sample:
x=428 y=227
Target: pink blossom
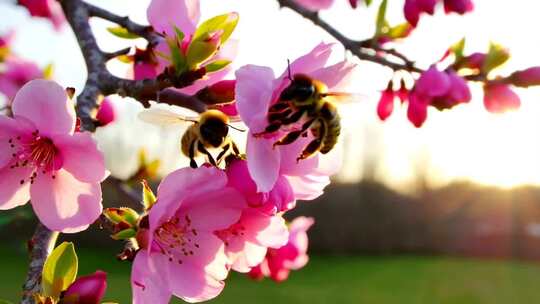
x=316 y=5
x=413 y=9
x=386 y=104
x=164 y=15
x=458 y=6
x=260 y=226
x=43 y=160
x=499 y=98
x=256 y=90
x=293 y=256
x=354 y=3
x=183 y=256
x=15 y=74
x=442 y=90
x=50 y=9
x=88 y=289
x=106 y=112
x=526 y=78
x=145 y=64
x=432 y=83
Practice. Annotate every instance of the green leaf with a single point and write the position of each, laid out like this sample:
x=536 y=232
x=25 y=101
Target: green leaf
x=60 y=270
x=124 y=215
x=399 y=31
x=149 y=199
x=381 y=18
x=217 y=65
x=125 y=234
x=5 y=302
x=458 y=48
x=178 y=60
x=496 y=56
x=179 y=34
x=368 y=2
x=226 y=23
x=199 y=51
x=122 y=32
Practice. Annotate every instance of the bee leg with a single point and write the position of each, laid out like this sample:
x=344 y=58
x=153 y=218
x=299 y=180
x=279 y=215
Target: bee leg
x=203 y=150
x=235 y=149
x=271 y=128
x=223 y=152
x=279 y=106
x=292 y=136
x=278 y=116
x=192 y=162
x=316 y=144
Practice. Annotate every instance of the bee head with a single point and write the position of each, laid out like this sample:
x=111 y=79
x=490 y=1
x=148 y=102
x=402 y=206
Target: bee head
x=301 y=88
x=214 y=128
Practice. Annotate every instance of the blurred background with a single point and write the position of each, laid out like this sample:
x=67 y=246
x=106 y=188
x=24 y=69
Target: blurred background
x=449 y=213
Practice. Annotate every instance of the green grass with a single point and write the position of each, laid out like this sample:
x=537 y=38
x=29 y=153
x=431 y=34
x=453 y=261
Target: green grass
x=327 y=279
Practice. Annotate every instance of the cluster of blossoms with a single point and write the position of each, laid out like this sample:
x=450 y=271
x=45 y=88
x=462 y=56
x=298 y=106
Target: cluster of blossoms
x=207 y=221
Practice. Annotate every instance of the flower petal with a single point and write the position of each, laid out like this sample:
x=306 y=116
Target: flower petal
x=263 y=162
x=310 y=62
x=81 y=157
x=47 y=105
x=64 y=203
x=308 y=187
x=254 y=90
x=12 y=192
x=336 y=77
x=315 y=5
x=163 y=15
x=189 y=282
x=177 y=185
x=215 y=210
x=8 y=129
x=147 y=286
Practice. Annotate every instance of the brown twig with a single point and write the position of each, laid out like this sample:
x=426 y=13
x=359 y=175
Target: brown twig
x=357 y=48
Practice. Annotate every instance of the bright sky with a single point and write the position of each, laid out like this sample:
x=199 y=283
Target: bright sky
x=466 y=143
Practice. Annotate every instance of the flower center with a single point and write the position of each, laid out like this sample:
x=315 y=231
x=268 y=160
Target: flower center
x=229 y=234
x=37 y=152
x=177 y=238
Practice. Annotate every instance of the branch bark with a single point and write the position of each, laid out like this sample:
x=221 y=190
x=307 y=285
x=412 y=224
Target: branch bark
x=40 y=246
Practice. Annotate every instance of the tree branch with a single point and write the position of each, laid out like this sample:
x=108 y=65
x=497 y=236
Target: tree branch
x=357 y=48
x=40 y=246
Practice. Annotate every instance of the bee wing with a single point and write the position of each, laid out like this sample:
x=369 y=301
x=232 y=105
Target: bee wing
x=162 y=117
x=235 y=118
x=341 y=97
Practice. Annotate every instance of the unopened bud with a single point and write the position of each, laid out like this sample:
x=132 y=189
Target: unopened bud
x=88 y=289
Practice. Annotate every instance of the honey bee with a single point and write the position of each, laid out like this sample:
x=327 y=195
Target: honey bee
x=307 y=98
x=209 y=131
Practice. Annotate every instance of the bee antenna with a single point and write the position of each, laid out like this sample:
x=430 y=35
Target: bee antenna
x=289 y=69
x=237 y=129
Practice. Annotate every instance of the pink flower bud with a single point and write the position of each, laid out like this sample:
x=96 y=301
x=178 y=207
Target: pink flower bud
x=458 y=6
x=88 y=289
x=403 y=92
x=499 y=98
x=432 y=83
x=458 y=93
x=427 y=6
x=417 y=110
x=412 y=12
x=526 y=78
x=386 y=104
x=106 y=112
